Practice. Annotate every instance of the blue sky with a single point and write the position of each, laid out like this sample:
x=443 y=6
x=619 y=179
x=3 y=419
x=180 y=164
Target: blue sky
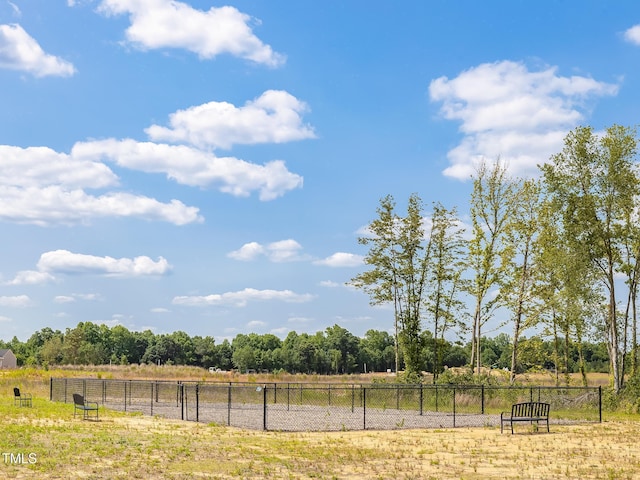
x=208 y=167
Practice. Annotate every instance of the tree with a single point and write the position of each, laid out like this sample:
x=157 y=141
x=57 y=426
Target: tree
x=521 y=233
x=377 y=351
x=347 y=347
x=397 y=274
x=491 y=207
x=444 y=267
x=594 y=183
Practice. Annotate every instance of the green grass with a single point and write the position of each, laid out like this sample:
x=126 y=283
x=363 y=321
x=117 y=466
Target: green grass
x=130 y=446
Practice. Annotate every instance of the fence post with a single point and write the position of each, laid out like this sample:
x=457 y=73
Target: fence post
x=364 y=408
x=353 y=396
x=436 y=397
x=421 y=395
x=288 y=395
x=229 y=405
x=50 y=389
x=181 y=390
x=152 y=384
x=600 y=402
x=197 y=402
x=264 y=407
x=125 y=396
x=482 y=400
x=454 y=407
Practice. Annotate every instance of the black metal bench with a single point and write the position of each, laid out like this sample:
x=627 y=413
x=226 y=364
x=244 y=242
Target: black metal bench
x=88 y=409
x=533 y=412
x=21 y=399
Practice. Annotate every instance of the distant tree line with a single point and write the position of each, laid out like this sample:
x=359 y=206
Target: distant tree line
x=332 y=351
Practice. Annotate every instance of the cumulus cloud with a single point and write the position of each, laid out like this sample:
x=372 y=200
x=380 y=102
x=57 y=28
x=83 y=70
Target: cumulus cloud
x=632 y=35
x=341 y=259
x=41 y=186
x=31 y=277
x=274 y=117
x=159 y=24
x=241 y=298
x=194 y=167
x=249 y=251
x=19 y=51
x=18 y=301
x=66 y=262
x=75 y=297
x=280 y=251
x=506 y=110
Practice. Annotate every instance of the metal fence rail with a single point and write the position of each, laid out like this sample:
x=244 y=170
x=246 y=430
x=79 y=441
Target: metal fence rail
x=326 y=407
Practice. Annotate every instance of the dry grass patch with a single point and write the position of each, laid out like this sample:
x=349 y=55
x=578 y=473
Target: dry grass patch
x=133 y=446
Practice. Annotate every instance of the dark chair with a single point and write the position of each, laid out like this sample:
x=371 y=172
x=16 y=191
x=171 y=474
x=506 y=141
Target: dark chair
x=22 y=400
x=89 y=409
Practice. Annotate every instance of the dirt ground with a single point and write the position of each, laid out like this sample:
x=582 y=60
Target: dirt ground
x=171 y=449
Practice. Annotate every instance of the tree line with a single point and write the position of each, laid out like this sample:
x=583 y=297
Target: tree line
x=560 y=254
x=332 y=351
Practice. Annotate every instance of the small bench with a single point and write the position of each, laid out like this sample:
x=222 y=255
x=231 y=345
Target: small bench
x=21 y=399
x=526 y=412
x=88 y=409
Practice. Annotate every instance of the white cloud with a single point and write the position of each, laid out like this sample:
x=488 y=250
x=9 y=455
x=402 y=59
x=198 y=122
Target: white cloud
x=172 y=24
x=56 y=205
x=249 y=251
x=44 y=187
x=341 y=259
x=42 y=166
x=76 y=296
x=193 y=167
x=632 y=35
x=63 y=261
x=241 y=298
x=510 y=112
x=284 y=251
x=4 y=319
x=18 y=301
x=255 y=324
x=274 y=117
x=280 y=251
x=330 y=284
x=280 y=332
x=299 y=320
x=31 y=277
x=16 y=10
x=19 y=51
x=64 y=299
x=160 y=310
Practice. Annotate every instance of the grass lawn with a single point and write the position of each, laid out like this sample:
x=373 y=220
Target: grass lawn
x=46 y=442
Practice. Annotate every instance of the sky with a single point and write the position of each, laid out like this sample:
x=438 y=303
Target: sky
x=208 y=166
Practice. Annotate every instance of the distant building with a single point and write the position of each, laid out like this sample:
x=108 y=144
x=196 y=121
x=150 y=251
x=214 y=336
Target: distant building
x=7 y=359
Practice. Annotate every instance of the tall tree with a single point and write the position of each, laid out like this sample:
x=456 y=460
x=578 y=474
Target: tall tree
x=521 y=233
x=397 y=274
x=593 y=182
x=444 y=267
x=491 y=206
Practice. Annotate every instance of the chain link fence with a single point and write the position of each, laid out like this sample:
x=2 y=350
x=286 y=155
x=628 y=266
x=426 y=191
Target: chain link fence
x=328 y=407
